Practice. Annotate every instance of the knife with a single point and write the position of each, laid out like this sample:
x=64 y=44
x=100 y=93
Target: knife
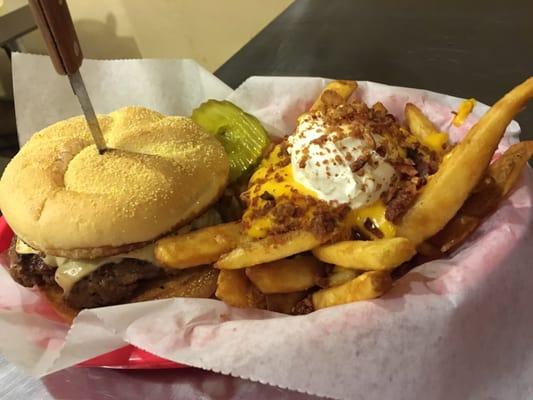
x=55 y=23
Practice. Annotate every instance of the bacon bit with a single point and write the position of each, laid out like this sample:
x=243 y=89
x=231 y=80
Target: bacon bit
x=381 y=150
x=338 y=158
x=303 y=161
x=405 y=169
x=360 y=162
x=349 y=157
x=401 y=202
x=372 y=228
x=267 y=196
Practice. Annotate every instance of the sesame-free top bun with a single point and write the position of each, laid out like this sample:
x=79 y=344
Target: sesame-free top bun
x=63 y=198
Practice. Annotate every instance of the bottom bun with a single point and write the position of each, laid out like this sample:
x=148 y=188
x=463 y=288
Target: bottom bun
x=54 y=295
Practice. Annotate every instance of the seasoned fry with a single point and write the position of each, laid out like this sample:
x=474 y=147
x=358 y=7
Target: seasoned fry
x=194 y=282
x=382 y=254
x=341 y=275
x=418 y=123
x=500 y=177
x=366 y=286
x=284 y=302
x=461 y=169
x=287 y=275
x=234 y=288
x=336 y=92
x=200 y=247
x=424 y=130
x=269 y=249
x=465 y=108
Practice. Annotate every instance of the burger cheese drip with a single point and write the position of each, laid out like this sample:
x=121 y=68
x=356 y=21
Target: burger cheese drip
x=350 y=170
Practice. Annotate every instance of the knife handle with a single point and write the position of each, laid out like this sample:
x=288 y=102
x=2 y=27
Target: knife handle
x=55 y=23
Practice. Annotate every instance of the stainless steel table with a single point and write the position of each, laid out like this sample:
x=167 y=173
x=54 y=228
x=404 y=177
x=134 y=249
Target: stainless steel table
x=98 y=383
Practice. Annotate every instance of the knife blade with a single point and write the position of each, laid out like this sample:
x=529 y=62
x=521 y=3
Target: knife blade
x=56 y=26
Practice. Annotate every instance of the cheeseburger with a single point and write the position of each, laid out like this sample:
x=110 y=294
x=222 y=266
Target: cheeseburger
x=85 y=223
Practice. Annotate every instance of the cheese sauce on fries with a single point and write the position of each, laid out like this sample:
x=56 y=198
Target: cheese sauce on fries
x=348 y=171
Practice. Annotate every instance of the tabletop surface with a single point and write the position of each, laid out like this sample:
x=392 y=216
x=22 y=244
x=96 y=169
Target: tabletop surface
x=454 y=47
x=462 y=48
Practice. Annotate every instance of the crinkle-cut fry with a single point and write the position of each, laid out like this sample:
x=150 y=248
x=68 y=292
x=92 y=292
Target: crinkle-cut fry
x=418 y=123
x=366 y=286
x=235 y=289
x=499 y=179
x=336 y=92
x=271 y=248
x=200 y=247
x=461 y=169
x=367 y=255
x=286 y=275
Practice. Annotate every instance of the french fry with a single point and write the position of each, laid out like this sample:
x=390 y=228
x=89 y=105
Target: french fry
x=340 y=275
x=193 y=282
x=336 y=92
x=500 y=177
x=200 y=247
x=284 y=302
x=381 y=254
x=235 y=289
x=287 y=275
x=366 y=286
x=418 y=123
x=461 y=169
x=269 y=249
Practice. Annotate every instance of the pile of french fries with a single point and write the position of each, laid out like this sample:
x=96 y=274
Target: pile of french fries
x=296 y=271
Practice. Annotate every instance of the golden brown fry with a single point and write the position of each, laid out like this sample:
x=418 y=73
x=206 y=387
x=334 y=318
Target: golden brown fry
x=269 y=249
x=235 y=289
x=284 y=302
x=194 y=282
x=287 y=275
x=366 y=286
x=341 y=275
x=418 y=123
x=461 y=169
x=200 y=247
x=336 y=92
x=381 y=254
x=500 y=177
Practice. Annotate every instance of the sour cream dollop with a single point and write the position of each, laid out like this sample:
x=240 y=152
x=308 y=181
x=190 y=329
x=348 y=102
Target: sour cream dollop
x=323 y=161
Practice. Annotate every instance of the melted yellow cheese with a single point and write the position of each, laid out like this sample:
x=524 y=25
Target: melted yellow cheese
x=278 y=182
x=376 y=213
x=436 y=141
x=465 y=108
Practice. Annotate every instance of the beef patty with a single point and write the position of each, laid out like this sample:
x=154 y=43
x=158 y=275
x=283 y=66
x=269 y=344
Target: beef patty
x=110 y=284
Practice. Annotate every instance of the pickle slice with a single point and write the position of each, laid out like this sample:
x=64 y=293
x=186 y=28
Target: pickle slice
x=241 y=134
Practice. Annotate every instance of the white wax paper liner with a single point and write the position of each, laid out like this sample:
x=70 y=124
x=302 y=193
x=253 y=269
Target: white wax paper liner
x=453 y=328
